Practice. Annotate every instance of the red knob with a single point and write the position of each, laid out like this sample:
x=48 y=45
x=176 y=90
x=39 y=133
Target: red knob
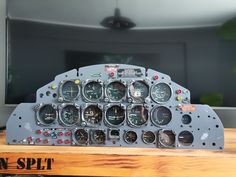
x=38 y=131
x=60 y=133
x=59 y=141
x=67 y=141
x=46 y=134
x=46 y=141
x=68 y=133
x=155 y=77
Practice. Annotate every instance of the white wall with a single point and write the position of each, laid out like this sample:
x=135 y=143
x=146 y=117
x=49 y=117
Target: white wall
x=4 y=111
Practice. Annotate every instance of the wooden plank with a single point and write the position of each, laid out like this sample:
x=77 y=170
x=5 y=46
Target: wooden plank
x=118 y=161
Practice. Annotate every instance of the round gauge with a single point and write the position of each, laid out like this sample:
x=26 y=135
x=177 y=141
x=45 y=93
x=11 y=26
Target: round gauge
x=99 y=137
x=138 y=116
x=69 y=115
x=185 y=138
x=93 y=91
x=115 y=115
x=47 y=114
x=161 y=92
x=161 y=116
x=130 y=137
x=139 y=90
x=92 y=114
x=148 y=137
x=115 y=91
x=81 y=136
x=70 y=90
x=186 y=119
x=166 y=138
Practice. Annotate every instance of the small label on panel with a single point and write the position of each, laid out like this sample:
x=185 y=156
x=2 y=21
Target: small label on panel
x=188 y=107
x=129 y=72
x=111 y=68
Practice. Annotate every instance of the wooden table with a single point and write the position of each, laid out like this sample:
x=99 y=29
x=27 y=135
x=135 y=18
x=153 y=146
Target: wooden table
x=105 y=161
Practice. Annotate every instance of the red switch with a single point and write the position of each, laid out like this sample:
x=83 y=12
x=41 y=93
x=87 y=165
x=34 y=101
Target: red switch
x=59 y=141
x=68 y=133
x=155 y=77
x=60 y=133
x=38 y=140
x=38 y=131
x=46 y=134
x=178 y=91
x=46 y=141
x=67 y=141
x=112 y=74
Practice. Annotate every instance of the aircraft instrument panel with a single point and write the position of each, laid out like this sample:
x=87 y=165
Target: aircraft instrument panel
x=115 y=105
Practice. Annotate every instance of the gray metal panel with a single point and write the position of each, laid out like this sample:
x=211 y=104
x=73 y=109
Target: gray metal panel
x=205 y=125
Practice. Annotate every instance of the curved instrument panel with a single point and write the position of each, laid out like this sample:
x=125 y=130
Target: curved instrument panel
x=115 y=105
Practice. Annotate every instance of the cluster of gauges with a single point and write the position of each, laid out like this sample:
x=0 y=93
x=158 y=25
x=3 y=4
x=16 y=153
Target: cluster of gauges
x=163 y=138
x=92 y=114
x=114 y=91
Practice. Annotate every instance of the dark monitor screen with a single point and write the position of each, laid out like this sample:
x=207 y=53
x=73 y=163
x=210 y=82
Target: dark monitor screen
x=195 y=58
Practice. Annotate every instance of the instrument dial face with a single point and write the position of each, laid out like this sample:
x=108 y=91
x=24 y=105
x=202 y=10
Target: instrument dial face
x=148 y=137
x=130 y=137
x=69 y=115
x=161 y=116
x=115 y=91
x=70 y=90
x=139 y=90
x=47 y=114
x=161 y=92
x=138 y=116
x=186 y=138
x=167 y=138
x=93 y=91
x=81 y=136
x=115 y=115
x=99 y=137
x=93 y=114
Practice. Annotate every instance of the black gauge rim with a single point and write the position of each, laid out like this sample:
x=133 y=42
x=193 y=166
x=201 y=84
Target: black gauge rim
x=161 y=102
x=109 y=97
x=128 y=118
x=189 y=135
x=61 y=90
x=113 y=125
x=130 y=131
x=75 y=139
x=94 y=141
x=61 y=117
x=155 y=123
x=164 y=132
x=144 y=138
x=96 y=106
x=88 y=99
x=138 y=99
x=40 y=120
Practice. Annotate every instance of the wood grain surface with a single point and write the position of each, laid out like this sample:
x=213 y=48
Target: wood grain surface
x=119 y=161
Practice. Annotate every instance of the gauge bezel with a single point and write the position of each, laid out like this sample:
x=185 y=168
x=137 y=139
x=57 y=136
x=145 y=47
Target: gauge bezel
x=74 y=139
x=93 y=141
x=164 y=145
x=61 y=96
x=155 y=137
x=108 y=98
x=125 y=132
x=128 y=110
x=135 y=100
x=83 y=92
x=37 y=109
x=151 y=92
x=151 y=116
x=61 y=107
x=105 y=115
x=100 y=106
